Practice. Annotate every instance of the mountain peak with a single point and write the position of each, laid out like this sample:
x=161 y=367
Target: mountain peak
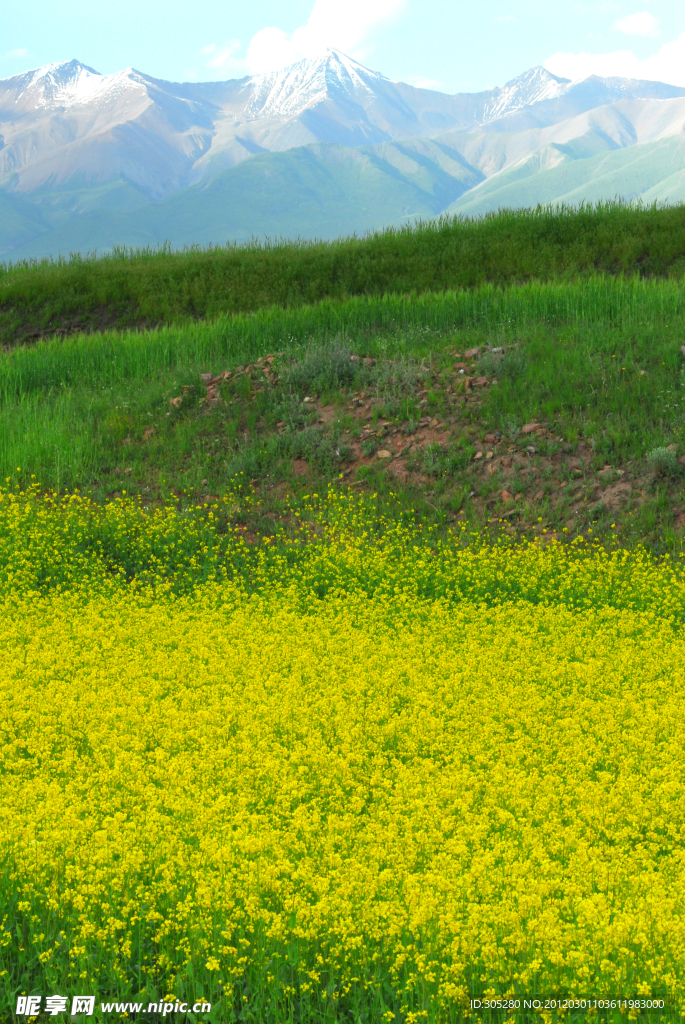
x=66 y=85
x=309 y=81
x=532 y=86
x=339 y=61
x=54 y=84
x=538 y=75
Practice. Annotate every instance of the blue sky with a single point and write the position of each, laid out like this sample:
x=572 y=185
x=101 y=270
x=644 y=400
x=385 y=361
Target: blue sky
x=453 y=45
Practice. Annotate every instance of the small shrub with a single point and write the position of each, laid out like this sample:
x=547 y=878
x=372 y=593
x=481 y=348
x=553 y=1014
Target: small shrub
x=512 y=365
x=397 y=379
x=317 y=447
x=294 y=413
x=322 y=368
x=491 y=362
x=662 y=461
x=510 y=427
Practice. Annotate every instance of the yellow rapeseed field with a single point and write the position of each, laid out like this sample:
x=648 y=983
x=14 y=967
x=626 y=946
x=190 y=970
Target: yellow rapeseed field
x=367 y=777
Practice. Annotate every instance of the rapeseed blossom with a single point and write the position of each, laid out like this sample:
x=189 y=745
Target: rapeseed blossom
x=370 y=772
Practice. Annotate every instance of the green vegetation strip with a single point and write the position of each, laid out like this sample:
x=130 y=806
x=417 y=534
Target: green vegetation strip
x=133 y=355
x=144 y=288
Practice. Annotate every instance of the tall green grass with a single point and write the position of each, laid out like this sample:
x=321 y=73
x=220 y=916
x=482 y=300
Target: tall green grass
x=130 y=355
x=509 y=247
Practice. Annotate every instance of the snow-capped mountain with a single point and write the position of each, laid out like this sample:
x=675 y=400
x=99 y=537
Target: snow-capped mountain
x=65 y=122
x=324 y=146
x=573 y=98
x=54 y=86
x=530 y=87
x=290 y=91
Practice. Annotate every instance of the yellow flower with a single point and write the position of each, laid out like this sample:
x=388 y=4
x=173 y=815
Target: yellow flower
x=354 y=755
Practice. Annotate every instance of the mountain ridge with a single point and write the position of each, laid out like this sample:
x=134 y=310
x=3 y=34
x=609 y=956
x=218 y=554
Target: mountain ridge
x=67 y=119
x=91 y=160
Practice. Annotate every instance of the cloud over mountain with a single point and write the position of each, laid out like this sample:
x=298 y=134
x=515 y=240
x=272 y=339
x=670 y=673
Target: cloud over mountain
x=667 y=65
x=331 y=25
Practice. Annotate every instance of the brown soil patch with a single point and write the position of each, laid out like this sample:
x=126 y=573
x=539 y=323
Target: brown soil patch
x=614 y=495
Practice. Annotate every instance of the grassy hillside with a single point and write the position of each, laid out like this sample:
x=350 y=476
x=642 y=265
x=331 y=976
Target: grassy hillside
x=653 y=171
x=148 y=288
x=530 y=406
x=555 y=408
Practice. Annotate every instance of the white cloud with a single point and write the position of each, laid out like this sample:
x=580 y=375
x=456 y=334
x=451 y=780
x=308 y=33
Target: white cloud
x=425 y=83
x=220 y=56
x=668 y=65
x=21 y=52
x=641 y=24
x=343 y=24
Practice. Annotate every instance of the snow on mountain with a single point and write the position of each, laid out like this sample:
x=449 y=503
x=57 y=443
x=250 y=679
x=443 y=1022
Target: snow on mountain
x=63 y=86
x=54 y=85
x=573 y=98
x=66 y=121
x=530 y=87
x=290 y=91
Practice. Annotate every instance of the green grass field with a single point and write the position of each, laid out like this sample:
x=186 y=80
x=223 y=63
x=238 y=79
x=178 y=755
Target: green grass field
x=150 y=288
